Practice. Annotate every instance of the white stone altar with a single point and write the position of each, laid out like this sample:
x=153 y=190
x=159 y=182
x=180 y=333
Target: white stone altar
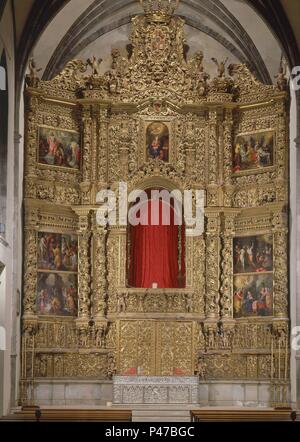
x=155 y=390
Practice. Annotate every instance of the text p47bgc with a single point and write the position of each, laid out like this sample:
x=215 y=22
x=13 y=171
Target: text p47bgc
x=151 y=431
x=172 y=431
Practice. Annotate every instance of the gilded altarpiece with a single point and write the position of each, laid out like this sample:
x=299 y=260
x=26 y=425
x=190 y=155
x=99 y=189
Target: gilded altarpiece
x=122 y=330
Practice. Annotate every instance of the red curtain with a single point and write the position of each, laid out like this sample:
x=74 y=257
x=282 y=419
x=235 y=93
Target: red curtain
x=154 y=253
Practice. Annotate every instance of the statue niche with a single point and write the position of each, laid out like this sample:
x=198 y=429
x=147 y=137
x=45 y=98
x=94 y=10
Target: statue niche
x=156 y=258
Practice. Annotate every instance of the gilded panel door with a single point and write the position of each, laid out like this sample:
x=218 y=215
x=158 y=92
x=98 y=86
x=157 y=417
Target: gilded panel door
x=174 y=348
x=160 y=348
x=136 y=347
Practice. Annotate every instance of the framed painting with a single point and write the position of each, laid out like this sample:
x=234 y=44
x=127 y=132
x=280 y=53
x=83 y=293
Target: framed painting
x=57 y=294
x=157 y=141
x=253 y=254
x=57 y=252
x=254 y=151
x=59 y=148
x=253 y=295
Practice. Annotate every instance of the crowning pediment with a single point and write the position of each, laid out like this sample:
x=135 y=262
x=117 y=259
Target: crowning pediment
x=156 y=65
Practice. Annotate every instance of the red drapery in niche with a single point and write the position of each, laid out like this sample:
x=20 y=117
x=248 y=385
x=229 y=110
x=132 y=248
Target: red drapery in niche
x=154 y=253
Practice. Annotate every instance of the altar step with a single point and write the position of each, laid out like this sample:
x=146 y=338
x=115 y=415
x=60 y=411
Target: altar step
x=161 y=414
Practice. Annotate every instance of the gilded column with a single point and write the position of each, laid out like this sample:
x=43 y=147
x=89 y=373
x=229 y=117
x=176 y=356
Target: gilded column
x=99 y=271
x=114 y=265
x=30 y=262
x=189 y=259
x=124 y=145
x=212 y=189
x=227 y=263
x=227 y=158
x=280 y=231
x=212 y=264
x=86 y=154
x=95 y=132
x=197 y=268
x=190 y=152
x=282 y=141
x=122 y=276
x=200 y=149
x=103 y=146
x=84 y=267
x=31 y=142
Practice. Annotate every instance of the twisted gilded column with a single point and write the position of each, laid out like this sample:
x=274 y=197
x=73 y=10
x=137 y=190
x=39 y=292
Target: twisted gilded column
x=30 y=262
x=227 y=263
x=212 y=189
x=29 y=327
x=195 y=270
x=102 y=173
x=280 y=232
x=95 y=132
x=85 y=186
x=31 y=141
x=99 y=294
x=282 y=140
x=84 y=263
x=212 y=263
x=227 y=158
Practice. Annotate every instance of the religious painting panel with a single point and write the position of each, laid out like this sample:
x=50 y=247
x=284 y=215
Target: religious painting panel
x=157 y=141
x=253 y=295
x=253 y=151
x=57 y=252
x=253 y=254
x=60 y=148
x=57 y=294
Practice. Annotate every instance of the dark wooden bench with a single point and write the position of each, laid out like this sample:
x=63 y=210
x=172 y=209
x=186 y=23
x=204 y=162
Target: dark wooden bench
x=73 y=415
x=244 y=415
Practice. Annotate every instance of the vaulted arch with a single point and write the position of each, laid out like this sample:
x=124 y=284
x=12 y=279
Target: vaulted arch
x=3 y=140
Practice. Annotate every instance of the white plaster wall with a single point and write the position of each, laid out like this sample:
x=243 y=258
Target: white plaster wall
x=262 y=36
x=6 y=248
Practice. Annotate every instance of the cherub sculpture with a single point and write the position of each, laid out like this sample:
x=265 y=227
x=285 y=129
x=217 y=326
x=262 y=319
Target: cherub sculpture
x=281 y=77
x=189 y=303
x=202 y=367
x=111 y=366
x=94 y=63
x=221 y=67
x=32 y=79
x=122 y=303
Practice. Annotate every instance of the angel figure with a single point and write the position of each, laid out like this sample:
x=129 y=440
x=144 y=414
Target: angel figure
x=221 y=67
x=202 y=367
x=282 y=82
x=189 y=303
x=100 y=335
x=94 y=63
x=32 y=78
x=111 y=366
x=122 y=303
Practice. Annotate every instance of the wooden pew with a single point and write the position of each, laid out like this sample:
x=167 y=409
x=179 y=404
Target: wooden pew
x=73 y=415
x=244 y=415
